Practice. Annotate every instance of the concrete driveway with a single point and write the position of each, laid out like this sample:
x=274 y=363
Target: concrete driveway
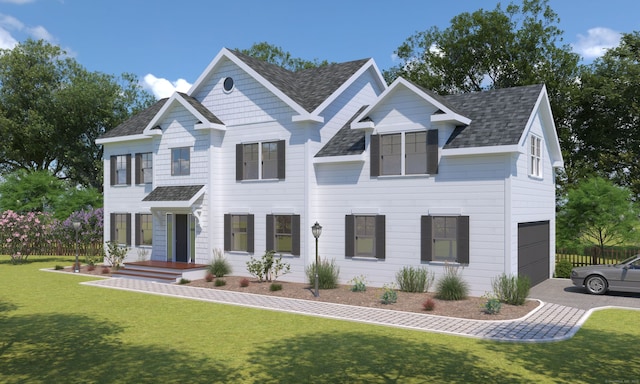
x=563 y=292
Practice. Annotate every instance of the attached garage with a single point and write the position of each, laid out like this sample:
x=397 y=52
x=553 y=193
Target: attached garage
x=533 y=251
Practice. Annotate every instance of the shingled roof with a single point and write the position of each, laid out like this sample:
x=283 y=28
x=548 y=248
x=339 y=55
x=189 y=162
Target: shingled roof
x=136 y=124
x=173 y=193
x=307 y=87
x=207 y=114
x=498 y=117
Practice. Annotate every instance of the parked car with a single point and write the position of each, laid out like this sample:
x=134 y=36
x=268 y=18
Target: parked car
x=598 y=279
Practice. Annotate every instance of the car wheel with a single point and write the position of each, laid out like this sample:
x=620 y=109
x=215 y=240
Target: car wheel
x=596 y=284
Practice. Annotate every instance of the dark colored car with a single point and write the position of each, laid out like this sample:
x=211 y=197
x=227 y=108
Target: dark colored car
x=598 y=279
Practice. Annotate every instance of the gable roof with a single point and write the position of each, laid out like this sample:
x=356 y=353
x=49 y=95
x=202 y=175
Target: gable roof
x=135 y=125
x=498 y=117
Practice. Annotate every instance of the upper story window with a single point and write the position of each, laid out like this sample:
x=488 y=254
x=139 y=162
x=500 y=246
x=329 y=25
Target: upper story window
x=260 y=161
x=180 y=161
x=408 y=153
x=121 y=170
x=535 y=153
x=144 y=168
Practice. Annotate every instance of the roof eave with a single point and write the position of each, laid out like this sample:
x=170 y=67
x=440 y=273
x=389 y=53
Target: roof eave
x=487 y=150
x=121 y=139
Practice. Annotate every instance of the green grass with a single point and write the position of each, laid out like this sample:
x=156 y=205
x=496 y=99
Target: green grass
x=54 y=330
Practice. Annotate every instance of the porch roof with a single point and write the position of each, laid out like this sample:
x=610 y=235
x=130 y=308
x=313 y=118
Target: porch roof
x=174 y=196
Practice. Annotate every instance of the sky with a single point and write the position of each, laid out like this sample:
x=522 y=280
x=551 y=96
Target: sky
x=167 y=44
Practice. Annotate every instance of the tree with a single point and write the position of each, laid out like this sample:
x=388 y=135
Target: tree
x=52 y=110
x=606 y=128
x=598 y=211
x=40 y=191
x=276 y=55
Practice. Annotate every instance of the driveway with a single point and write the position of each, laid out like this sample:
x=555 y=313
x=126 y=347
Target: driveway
x=563 y=292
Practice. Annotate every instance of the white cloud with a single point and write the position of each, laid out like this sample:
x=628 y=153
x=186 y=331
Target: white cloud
x=19 y=2
x=596 y=42
x=9 y=26
x=162 y=88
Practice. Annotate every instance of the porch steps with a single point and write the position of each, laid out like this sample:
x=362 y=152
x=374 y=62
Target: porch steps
x=161 y=272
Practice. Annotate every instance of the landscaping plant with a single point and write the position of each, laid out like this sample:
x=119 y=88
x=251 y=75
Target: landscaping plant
x=268 y=268
x=115 y=254
x=563 y=269
x=359 y=284
x=451 y=286
x=511 y=289
x=219 y=265
x=389 y=294
x=413 y=279
x=328 y=273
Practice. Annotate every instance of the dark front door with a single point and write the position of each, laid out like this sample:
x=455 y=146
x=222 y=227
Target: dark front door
x=182 y=238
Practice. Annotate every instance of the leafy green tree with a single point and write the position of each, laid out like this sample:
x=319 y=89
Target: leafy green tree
x=606 y=138
x=599 y=212
x=52 y=110
x=40 y=191
x=276 y=55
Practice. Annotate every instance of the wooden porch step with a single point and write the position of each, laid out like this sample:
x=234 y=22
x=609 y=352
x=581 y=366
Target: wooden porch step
x=159 y=276
x=161 y=271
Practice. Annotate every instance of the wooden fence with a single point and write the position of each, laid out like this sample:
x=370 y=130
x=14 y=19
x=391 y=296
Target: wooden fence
x=69 y=249
x=593 y=255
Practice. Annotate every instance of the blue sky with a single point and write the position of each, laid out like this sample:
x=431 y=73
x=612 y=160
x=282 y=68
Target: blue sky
x=167 y=44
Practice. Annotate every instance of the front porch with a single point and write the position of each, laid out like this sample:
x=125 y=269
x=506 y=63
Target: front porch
x=168 y=272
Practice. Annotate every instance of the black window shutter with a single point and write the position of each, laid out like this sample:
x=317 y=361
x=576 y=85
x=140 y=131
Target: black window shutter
x=227 y=232
x=426 y=238
x=463 y=240
x=128 y=224
x=374 y=151
x=113 y=226
x=380 y=237
x=281 y=159
x=138 y=230
x=250 y=239
x=432 y=151
x=138 y=168
x=128 y=169
x=239 y=162
x=112 y=169
x=350 y=236
x=270 y=232
x=295 y=235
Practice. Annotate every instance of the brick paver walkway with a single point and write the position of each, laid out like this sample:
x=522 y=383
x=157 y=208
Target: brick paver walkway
x=549 y=322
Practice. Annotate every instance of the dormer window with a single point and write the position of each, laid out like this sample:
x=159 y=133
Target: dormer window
x=407 y=153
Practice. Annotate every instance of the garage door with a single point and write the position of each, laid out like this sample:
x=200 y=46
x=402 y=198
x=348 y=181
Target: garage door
x=533 y=251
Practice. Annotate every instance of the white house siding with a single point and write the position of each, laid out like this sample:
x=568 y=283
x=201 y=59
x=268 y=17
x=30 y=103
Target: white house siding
x=532 y=198
x=124 y=198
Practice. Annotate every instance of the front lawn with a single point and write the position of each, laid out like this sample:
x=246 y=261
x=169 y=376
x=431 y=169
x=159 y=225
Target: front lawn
x=54 y=330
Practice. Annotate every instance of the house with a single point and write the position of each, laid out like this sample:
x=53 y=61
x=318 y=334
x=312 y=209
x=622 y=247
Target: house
x=253 y=155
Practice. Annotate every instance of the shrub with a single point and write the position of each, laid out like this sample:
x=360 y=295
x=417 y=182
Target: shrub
x=493 y=305
x=328 y=273
x=184 y=281
x=563 y=269
x=429 y=304
x=219 y=265
x=511 y=289
x=269 y=268
x=389 y=294
x=412 y=279
x=105 y=270
x=91 y=267
x=359 y=284
x=275 y=287
x=115 y=254
x=58 y=267
x=244 y=282
x=220 y=283
x=451 y=286
x=209 y=277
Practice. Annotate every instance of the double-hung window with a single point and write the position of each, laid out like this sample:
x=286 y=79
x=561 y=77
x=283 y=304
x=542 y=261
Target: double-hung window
x=144 y=229
x=445 y=239
x=180 y=161
x=121 y=170
x=283 y=234
x=120 y=228
x=365 y=236
x=407 y=153
x=144 y=168
x=535 y=154
x=260 y=161
x=238 y=232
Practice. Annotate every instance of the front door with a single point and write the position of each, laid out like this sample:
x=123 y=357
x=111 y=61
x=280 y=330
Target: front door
x=182 y=238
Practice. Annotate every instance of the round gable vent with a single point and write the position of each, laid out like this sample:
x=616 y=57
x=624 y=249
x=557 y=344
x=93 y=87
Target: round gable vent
x=227 y=85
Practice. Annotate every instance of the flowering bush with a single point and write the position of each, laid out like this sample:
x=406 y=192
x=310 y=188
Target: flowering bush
x=22 y=235
x=90 y=233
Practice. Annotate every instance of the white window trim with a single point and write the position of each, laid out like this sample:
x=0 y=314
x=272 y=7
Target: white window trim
x=535 y=171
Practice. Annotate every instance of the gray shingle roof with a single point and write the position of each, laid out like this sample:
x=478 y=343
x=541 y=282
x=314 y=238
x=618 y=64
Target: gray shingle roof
x=346 y=141
x=308 y=87
x=498 y=117
x=201 y=109
x=136 y=124
x=173 y=193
